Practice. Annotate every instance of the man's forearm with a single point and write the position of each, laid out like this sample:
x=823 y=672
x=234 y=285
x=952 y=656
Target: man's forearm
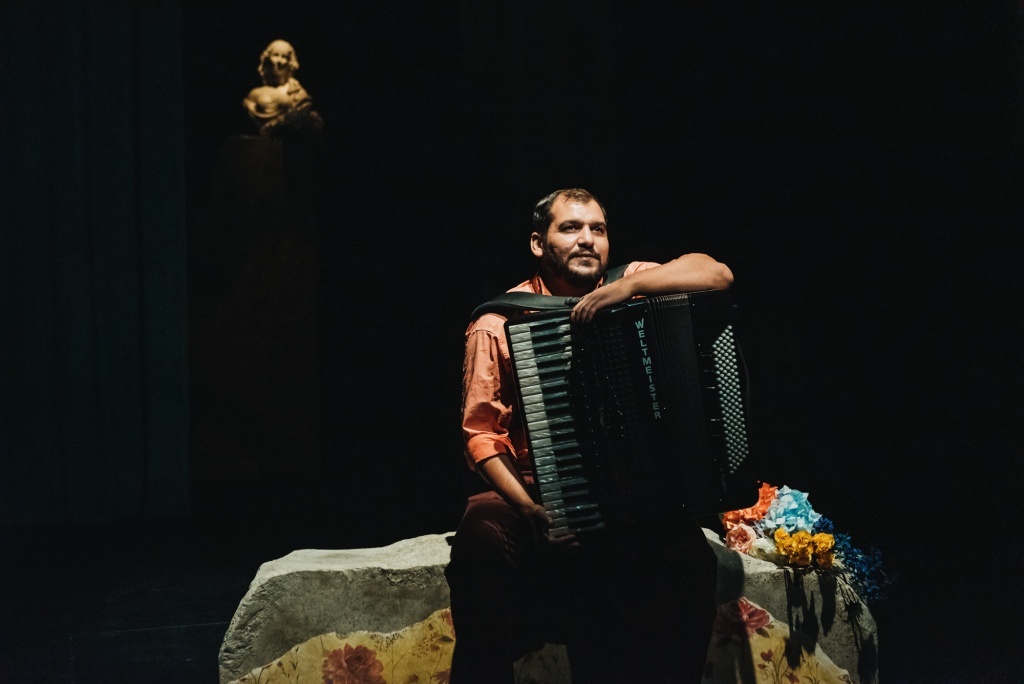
x=499 y=472
x=688 y=273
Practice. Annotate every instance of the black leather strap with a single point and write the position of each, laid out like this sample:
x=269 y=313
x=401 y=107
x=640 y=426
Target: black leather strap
x=517 y=302
x=615 y=273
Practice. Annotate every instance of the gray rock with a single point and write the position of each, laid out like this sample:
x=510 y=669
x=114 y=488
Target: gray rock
x=312 y=592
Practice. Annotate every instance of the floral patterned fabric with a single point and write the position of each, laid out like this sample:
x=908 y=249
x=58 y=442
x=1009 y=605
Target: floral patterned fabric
x=420 y=654
x=748 y=646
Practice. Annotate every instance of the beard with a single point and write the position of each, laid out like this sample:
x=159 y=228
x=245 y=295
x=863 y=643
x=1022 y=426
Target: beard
x=574 y=274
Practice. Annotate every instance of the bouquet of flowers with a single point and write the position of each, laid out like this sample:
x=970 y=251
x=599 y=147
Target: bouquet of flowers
x=783 y=528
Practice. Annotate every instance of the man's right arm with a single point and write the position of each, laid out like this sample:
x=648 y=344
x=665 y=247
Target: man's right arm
x=503 y=477
x=486 y=415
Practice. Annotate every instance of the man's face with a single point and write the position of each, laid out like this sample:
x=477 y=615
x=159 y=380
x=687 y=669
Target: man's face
x=279 y=61
x=574 y=250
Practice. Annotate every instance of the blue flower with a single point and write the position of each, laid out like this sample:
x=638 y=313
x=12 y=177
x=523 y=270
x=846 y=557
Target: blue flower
x=791 y=511
x=824 y=525
x=865 y=572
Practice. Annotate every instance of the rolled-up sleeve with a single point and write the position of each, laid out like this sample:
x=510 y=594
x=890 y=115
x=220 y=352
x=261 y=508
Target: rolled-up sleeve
x=489 y=424
x=486 y=398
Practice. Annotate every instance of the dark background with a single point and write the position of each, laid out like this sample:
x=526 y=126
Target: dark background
x=283 y=358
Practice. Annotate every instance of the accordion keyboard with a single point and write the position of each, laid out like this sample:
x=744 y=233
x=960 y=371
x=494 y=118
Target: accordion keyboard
x=542 y=349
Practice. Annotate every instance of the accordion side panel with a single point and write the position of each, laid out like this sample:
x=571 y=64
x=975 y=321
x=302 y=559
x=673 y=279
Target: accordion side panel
x=724 y=396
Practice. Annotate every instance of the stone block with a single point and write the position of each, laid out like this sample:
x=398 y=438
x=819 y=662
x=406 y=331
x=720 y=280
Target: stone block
x=302 y=608
x=312 y=592
x=819 y=610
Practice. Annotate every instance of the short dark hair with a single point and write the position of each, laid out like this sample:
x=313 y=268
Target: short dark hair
x=542 y=211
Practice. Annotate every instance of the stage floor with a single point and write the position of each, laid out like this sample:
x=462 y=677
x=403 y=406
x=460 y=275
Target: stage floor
x=151 y=602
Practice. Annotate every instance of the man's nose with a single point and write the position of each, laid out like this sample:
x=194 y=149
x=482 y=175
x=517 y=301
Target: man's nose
x=585 y=236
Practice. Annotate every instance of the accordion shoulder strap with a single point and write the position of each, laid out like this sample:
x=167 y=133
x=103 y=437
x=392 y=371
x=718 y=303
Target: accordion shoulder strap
x=511 y=303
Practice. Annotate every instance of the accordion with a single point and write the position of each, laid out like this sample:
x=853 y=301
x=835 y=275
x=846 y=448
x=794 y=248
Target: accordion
x=638 y=418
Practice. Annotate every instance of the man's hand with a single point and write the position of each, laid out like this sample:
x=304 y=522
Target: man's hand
x=601 y=298
x=500 y=474
x=542 y=522
x=538 y=518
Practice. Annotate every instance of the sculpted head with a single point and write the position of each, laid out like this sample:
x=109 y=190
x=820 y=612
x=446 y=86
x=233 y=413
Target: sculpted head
x=278 y=62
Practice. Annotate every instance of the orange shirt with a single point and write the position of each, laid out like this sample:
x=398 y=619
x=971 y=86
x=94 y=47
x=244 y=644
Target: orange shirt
x=489 y=422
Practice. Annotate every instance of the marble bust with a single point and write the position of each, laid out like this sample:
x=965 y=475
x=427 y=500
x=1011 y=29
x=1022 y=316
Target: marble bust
x=281 y=104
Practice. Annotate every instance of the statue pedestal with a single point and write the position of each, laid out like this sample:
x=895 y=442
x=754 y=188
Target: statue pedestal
x=254 y=322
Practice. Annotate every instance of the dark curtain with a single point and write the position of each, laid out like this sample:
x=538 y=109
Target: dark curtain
x=92 y=263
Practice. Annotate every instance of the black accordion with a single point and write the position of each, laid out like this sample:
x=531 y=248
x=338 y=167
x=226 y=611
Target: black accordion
x=638 y=418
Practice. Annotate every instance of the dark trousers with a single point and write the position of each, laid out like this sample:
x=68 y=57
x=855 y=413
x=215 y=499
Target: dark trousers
x=628 y=610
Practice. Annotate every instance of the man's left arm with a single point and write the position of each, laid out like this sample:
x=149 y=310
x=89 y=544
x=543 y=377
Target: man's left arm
x=688 y=273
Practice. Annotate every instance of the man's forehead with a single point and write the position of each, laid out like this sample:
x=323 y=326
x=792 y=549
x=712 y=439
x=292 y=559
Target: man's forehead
x=566 y=209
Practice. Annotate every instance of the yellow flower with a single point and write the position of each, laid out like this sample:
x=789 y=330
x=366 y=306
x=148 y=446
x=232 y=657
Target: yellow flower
x=823 y=541
x=800 y=548
x=801 y=557
x=824 y=560
x=802 y=539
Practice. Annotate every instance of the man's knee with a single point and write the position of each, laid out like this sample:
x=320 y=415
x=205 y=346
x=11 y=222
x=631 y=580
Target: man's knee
x=484 y=542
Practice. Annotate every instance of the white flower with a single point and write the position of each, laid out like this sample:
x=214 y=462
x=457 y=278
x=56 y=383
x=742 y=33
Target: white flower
x=764 y=549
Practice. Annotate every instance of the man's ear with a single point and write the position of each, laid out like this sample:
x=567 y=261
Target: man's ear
x=537 y=245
